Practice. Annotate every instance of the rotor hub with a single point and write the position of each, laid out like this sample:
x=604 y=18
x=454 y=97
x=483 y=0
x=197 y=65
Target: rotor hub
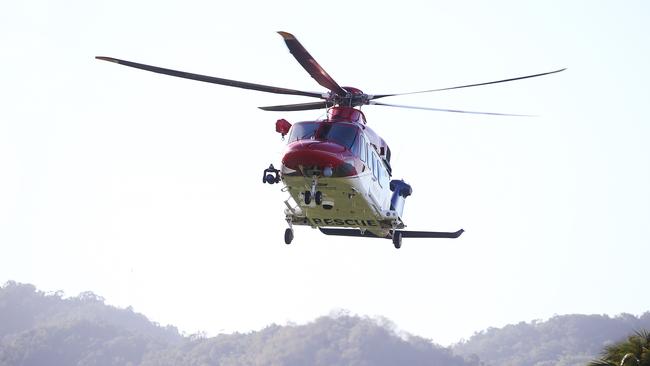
x=353 y=98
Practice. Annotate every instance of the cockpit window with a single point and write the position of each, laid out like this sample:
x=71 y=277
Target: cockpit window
x=303 y=131
x=344 y=134
x=341 y=133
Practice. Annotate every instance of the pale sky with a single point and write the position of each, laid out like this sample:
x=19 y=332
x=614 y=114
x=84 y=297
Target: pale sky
x=146 y=189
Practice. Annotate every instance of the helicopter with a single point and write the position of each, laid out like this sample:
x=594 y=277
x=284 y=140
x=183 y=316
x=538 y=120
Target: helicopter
x=336 y=170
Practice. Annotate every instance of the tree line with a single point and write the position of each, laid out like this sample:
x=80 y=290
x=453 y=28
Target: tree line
x=38 y=328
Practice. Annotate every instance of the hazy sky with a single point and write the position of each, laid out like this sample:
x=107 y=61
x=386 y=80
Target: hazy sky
x=146 y=189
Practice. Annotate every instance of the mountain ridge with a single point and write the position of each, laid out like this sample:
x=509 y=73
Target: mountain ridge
x=38 y=328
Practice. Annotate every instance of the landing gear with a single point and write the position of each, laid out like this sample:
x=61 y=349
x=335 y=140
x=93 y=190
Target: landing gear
x=318 y=197
x=397 y=239
x=288 y=236
x=313 y=193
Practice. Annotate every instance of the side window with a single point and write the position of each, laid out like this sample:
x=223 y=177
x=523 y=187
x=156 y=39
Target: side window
x=366 y=151
x=362 y=148
x=385 y=179
x=380 y=172
x=374 y=163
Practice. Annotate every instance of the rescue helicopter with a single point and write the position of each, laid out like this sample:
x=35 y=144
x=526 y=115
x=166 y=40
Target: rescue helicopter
x=337 y=170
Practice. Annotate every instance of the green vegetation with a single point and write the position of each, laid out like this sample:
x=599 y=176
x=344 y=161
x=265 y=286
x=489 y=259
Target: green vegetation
x=566 y=340
x=46 y=329
x=634 y=351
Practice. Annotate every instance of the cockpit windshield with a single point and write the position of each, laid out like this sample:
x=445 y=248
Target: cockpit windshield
x=344 y=134
x=303 y=131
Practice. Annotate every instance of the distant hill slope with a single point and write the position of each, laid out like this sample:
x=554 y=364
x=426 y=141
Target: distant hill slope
x=566 y=340
x=23 y=308
x=41 y=329
x=46 y=329
x=343 y=340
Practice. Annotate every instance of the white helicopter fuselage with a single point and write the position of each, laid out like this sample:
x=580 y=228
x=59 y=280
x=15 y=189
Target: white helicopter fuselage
x=323 y=198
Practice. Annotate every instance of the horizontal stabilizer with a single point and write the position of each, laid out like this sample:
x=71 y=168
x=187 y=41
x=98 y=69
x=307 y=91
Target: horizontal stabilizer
x=347 y=232
x=405 y=234
x=430 y=234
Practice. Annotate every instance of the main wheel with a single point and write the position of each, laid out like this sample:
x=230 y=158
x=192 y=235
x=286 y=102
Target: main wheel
x=307 y=197
x=288 y=236
x=318 y=197
x=397 y=239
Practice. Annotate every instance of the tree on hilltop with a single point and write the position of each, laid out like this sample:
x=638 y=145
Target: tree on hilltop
x=635 y=351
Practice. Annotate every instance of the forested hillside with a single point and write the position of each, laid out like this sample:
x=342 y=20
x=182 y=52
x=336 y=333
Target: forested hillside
x=47 y=329
x=567 y=340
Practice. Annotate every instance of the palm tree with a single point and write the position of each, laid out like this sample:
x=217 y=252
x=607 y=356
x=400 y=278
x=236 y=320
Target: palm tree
x=635 y=351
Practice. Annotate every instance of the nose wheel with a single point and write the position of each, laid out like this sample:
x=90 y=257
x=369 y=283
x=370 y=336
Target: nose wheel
x=313 y=193
x=318 y=197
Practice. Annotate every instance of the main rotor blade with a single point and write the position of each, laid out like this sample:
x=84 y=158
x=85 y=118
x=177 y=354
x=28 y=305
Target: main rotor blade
x=447 y=110
x=296 y=107
x=469 y=85
x=212 y=79
x=308 y=63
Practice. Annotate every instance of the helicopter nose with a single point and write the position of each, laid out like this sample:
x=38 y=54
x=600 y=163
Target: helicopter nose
x=324 y=158
x=318 y=155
